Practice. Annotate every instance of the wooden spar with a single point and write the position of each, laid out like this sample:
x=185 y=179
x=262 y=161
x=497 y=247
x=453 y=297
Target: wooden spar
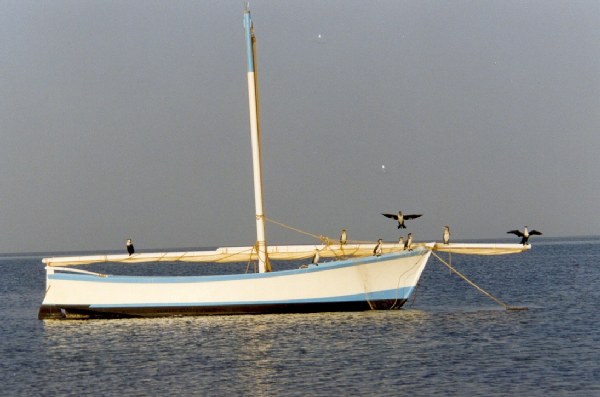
x=261 y=243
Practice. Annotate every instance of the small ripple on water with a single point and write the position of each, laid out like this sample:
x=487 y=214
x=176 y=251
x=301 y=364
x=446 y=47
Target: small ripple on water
x=450 y=341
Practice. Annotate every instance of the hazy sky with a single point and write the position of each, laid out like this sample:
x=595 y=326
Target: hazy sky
x=130 y=119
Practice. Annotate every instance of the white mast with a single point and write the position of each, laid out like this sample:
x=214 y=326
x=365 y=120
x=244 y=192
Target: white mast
x=263 y=260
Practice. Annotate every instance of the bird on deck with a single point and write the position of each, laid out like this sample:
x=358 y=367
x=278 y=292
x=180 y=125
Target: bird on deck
x=446 y=235
x=130 y=248
x=400 y=217
x=524 y=234
x=408 y=244
x=315 y=258
x=343 y=237
x=378 y=248
x=401 y=241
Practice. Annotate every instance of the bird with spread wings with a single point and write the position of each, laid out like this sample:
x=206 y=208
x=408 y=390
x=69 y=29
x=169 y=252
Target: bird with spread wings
x=400 y=217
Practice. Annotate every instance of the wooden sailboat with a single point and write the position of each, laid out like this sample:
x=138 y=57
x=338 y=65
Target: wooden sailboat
x=353 y=279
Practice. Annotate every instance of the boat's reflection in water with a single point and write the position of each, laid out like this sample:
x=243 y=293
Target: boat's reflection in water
x=247 y=354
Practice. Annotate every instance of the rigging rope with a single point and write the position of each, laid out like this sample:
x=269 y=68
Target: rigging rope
x=452 y=269
x=324 y=239
x=329 y=244
x=295 y=229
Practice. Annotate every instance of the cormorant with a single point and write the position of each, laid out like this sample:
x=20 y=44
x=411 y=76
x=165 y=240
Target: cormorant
x=408 y=242
x=343 y=238
x=316 y=258
x=377 y=250
x=525 y=234
x=401 y=218
x=130 y=248
x=446 y=235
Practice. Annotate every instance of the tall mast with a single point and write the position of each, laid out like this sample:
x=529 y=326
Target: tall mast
x=263 y=260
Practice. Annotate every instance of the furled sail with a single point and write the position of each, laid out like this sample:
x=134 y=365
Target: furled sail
x=480 y=249
x=227 y=254
x=283 y=252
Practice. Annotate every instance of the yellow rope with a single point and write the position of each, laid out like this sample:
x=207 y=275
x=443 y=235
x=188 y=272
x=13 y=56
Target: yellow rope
x=452 y=269
x=293 y=228
x=250 y=258
x=223 y=259
x=324 y=239
x=252 y=251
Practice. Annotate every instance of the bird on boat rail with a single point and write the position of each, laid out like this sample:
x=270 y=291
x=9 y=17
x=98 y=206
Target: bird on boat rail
x=129 y=246
x=377 y=251
x=343 y=237
x=408 y=243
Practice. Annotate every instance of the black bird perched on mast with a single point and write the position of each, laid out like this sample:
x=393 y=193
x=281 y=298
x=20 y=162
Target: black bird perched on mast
x=525 y=234
x=401 y=218
x=130 y=248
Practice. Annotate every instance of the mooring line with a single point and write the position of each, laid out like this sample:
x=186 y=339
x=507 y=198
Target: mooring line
x=452 y=269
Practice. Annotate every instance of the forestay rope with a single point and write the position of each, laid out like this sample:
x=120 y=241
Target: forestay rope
x=326 y=241
x=471 y=283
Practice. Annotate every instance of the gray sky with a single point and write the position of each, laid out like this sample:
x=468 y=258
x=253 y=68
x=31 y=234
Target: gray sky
x=129 y=119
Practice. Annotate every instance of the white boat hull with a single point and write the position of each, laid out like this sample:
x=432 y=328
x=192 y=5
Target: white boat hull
x=384 y=282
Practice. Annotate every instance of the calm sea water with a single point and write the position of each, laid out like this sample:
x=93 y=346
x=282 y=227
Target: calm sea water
x=451 y=340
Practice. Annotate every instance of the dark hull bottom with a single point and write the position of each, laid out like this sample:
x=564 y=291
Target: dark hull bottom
x=85 y=312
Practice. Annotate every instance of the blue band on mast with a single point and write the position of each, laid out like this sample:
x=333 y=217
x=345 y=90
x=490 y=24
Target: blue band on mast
x=248 y=27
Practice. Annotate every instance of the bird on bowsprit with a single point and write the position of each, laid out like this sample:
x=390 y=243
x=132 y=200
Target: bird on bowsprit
x=525 y=234
x=408 y=244
x=400 y=217
x=446 y=235
x=378 y=248
x=343 y=237
x=130 y=248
